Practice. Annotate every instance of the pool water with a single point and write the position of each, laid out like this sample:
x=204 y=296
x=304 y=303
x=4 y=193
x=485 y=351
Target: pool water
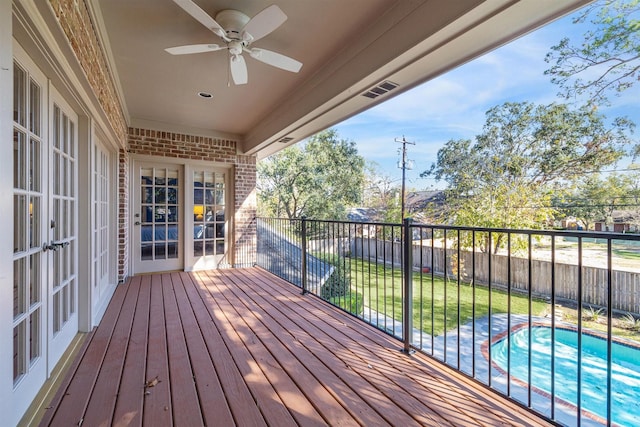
x=625 y=380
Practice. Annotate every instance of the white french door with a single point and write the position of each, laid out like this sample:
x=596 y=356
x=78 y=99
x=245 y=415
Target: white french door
x=157 y=220
x=45 y=318
x=208 y=218
x=103 y=229
x=62 y=247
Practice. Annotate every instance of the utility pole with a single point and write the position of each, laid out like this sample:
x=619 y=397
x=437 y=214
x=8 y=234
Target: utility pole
x=404 y=167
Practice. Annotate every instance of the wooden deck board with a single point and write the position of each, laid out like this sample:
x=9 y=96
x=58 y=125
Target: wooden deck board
x=301 y=409
x=244 y=347
x=128 y=410
x=184 y=396
x=157 y=394
x=386 y=381
x=69 y=405
x=215 y=410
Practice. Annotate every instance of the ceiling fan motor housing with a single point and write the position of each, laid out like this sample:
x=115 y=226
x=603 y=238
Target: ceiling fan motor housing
x=233 y=22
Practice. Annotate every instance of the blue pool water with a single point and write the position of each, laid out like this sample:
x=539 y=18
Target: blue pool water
x=625 y=387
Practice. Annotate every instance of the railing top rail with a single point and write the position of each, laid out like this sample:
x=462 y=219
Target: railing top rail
x=333 y=221
x=539 y=232
x=559 y=233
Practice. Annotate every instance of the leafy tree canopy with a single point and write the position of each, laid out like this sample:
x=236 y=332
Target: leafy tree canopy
x=608 y=58
x=503 y=178
x=594 y=198
x=318 y=179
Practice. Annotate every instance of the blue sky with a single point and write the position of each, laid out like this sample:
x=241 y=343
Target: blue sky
x=453 y=106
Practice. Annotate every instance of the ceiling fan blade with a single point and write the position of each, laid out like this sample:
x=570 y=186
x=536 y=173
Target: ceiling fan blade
x=201 y=16
x=238 y=70
x=276 y=59
x=193 y=48
x=263 y=23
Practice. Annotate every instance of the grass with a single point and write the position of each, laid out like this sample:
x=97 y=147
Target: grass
x=627 y=254
x=381 y=289
x=623 y=325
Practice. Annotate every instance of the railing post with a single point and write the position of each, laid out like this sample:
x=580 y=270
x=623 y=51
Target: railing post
x=304 y=255
x=407 y=294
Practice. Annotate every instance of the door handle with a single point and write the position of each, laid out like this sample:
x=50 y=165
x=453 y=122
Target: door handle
x=54 y=246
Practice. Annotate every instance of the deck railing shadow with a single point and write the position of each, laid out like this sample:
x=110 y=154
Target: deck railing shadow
x=511 y=309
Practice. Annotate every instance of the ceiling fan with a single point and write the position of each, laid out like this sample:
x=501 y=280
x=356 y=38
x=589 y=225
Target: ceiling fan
x=238 y=32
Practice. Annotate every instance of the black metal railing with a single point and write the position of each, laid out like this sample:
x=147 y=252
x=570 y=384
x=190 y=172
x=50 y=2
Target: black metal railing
x=547 y=318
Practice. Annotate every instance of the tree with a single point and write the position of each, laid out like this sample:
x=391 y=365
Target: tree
x=317 y=179
x=594 y=198
x=381 y=195
x=633 y=195
x=503 y=178
x=607 y=60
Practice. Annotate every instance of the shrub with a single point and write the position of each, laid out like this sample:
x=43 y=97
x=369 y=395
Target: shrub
x=352 y=302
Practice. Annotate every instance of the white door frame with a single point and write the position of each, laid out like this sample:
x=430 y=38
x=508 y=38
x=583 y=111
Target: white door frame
x=35 y=372
x=185 y=211
x=103 y=272
x=151 y=226
x=65 y=232
x=195 y=227
x=39 y=200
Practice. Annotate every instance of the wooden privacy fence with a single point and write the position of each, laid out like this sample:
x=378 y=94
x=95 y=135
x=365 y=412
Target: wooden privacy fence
x=545 y=277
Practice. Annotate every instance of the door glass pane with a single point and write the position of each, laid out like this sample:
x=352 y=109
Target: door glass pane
x=34 y=279
x=19 y=287
x=56 y=173
x=147 y=195
x=34 y=165
x=34 y=222
x=19 y=95
x=56 y=312
x=19 y=223
x=19 y=160
x=72 y=296
x=172 y=250
x=208 y=213
x=34 y=108
x=56 y=127
x=160 y=195
x=146 y=252
x=34 y=336
x=19 y=359
x=159 y=213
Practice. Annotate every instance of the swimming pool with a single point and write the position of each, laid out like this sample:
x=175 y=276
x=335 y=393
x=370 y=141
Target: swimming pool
x=625 y=380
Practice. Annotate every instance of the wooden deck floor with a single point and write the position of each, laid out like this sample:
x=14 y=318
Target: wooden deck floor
x=242 y=347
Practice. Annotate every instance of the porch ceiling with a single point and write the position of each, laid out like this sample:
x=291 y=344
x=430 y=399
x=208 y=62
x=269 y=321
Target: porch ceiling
x=346 y=48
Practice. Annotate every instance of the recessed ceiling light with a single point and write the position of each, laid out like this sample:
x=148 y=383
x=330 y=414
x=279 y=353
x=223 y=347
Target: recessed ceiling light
x=205 y=95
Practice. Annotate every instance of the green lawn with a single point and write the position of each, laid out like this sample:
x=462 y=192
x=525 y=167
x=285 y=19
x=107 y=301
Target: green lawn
x=627 y=253
x=381 y=290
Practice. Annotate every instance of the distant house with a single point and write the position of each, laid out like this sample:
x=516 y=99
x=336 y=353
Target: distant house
x=571 y=223
x=363 y=215
x=426 y=206
x=620 y=222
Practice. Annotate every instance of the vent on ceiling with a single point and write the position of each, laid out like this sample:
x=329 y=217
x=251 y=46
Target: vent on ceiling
x=380 y=89
x=285 y=139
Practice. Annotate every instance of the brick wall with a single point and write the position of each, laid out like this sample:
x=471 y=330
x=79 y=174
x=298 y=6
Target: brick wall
x=190 y=147
x=75 y=20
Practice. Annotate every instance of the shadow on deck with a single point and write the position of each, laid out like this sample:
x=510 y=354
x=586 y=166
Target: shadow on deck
x=243 y=347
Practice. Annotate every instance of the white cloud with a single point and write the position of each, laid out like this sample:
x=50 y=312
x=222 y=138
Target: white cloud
x=453 y=106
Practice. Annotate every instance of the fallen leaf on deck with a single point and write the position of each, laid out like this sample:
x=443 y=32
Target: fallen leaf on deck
x=152 y=383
